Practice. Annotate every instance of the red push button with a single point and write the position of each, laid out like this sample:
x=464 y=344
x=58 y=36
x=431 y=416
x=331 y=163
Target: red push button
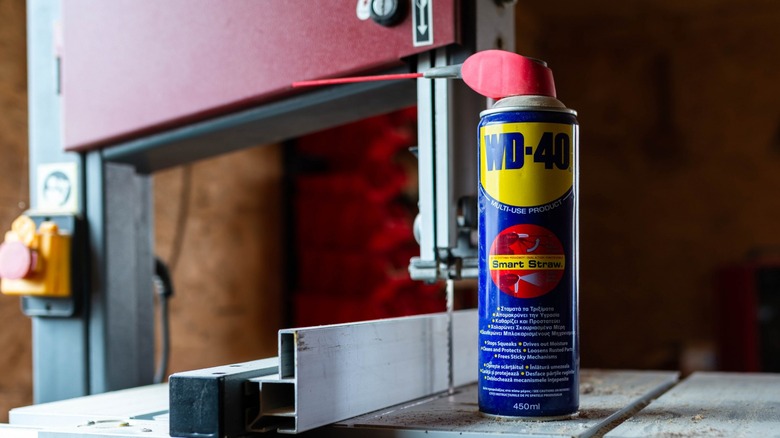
x=16 y=260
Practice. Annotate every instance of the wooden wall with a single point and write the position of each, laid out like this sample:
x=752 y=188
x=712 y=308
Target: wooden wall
x=228 y=274
x=678 y=105
x=15 y=356
x=680 y=150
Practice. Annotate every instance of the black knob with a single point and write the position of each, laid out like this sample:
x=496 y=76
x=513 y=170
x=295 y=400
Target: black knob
x=388 y=12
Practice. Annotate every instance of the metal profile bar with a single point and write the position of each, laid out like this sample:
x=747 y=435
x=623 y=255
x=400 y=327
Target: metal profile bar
x=447 y=120
x=336 y=372
x=325 y=374
x=277 y=405
x=218 y=401
x=446 y=228
x=425 y=166
x=61 y=341
x=457 y=115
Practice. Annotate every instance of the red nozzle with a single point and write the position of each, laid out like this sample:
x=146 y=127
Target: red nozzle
x=498 y=74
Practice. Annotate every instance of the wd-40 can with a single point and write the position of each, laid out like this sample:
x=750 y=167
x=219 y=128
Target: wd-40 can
x=528 y=259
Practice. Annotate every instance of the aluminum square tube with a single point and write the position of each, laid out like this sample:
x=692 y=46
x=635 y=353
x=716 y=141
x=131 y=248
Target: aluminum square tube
x=332 y=373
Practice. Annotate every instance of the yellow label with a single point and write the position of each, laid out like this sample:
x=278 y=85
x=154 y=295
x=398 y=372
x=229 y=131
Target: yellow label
x=527 y=164
x=527 y=262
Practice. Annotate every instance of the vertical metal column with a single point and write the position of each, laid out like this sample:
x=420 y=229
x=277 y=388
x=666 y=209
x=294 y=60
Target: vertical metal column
x=447 y=119
x=426 y=222
x=60 y=350
x=448 y=113
x=121 y=328
x=108 y=344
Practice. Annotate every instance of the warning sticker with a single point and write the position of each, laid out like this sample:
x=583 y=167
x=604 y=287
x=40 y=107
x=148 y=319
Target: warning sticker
x=526 y=261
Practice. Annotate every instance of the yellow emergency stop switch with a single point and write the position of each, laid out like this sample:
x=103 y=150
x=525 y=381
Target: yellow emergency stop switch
x=34 y=260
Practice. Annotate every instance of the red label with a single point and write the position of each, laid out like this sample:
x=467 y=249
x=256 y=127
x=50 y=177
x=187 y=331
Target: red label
x=526 y=261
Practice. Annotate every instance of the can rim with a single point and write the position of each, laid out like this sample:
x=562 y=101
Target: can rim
x=528 y=103
x=521 y=418
x=527 y=108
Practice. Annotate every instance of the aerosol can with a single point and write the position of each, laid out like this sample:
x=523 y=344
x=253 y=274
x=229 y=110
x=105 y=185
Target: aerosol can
x=528 y=257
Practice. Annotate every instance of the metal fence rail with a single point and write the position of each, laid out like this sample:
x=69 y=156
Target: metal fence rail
x=331 y=373
x=326 y=374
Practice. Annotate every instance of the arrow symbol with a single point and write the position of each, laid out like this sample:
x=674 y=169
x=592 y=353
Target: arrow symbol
x=421 y=6
x=536 y=278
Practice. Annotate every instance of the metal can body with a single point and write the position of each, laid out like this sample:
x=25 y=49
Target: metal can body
x=528 y=259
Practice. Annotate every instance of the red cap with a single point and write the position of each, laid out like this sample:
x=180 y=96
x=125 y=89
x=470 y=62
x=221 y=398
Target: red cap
x=498 y=74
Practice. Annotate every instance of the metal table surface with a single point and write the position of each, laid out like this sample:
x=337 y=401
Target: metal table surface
x=606 y=398
x=613 y=404
x=711 y=405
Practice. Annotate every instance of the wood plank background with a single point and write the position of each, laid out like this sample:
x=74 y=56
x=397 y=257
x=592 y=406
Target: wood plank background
x=15 y=333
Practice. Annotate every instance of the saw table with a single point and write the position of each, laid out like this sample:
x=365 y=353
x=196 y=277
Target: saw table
x=614 y=404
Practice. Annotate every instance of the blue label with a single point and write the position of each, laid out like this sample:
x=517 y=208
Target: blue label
x=528 y=342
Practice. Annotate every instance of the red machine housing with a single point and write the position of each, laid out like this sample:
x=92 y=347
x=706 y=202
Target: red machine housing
x=173 y=62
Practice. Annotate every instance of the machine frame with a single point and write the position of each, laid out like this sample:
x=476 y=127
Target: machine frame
x=108 y=343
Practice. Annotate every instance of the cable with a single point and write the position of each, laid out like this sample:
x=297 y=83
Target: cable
x=181 y=216
x=164 y=290
x=163 y=284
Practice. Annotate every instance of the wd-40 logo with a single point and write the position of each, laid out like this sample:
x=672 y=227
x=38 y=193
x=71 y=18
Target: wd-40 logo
x=508 y=151
x=527 y=164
